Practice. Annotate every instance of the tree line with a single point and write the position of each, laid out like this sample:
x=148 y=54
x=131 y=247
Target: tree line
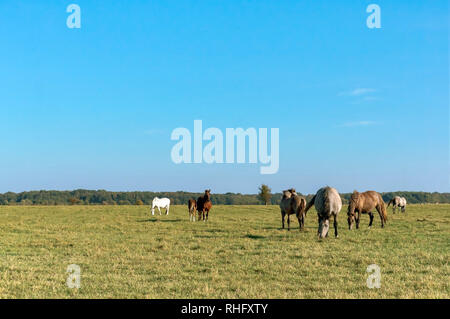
x=103 y=197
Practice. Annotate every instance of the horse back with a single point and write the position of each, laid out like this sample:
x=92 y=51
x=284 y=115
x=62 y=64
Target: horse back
x=369 y=200
x=328 y=202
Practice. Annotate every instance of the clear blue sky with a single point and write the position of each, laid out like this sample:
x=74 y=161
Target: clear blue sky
x=94 y=107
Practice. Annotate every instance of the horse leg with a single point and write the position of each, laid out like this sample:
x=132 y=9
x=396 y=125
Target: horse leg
x=289 y=221
x=318 y=221
x=282 y=220
x=159 y=210
x=299 y=217
x=371 y=219
x=167 y=210
x=358 y=217
x=381 y=215
x=335 y=227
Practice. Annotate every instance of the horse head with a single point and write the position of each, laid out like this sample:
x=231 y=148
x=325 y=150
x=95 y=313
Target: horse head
x=287 y=194
x=324 y=226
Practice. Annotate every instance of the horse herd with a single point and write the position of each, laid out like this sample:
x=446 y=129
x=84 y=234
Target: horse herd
x=326 y=201
x=202 y=205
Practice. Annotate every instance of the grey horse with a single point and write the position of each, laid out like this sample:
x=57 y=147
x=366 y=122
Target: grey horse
x=399 y=202
x=292 y=203
x=327 y=203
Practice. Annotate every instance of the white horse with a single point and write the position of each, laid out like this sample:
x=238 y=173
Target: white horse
x=398 y=202
x=160 y=203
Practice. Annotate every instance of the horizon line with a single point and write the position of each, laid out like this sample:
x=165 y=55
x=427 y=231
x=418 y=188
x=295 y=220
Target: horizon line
x=200 y=192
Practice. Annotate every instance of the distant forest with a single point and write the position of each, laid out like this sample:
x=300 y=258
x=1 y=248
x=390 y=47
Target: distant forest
x=102 y=197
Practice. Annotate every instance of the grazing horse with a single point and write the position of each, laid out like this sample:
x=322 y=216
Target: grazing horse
x=365 y=203
x=399 y=202
x=160 y=203
x=291 y=203
x=192 y=206
x=204 y=205
x=327 y=203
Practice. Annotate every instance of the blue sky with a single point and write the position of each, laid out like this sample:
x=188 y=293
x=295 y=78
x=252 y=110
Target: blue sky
x=94 y=108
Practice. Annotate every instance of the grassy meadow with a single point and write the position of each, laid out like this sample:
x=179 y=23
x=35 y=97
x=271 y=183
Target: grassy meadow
x=241 y=252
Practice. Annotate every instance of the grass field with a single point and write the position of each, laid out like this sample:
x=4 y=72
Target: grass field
x=124 y=252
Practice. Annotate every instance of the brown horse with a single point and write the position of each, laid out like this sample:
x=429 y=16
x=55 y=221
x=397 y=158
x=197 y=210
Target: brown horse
x=365 y=203
x=291 y=203
x=204 y=205
x=192 y=206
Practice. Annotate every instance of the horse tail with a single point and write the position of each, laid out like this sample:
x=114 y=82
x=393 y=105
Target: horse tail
x=390 y=202
x=311 y=202
x=301 y=207
x=383 y=209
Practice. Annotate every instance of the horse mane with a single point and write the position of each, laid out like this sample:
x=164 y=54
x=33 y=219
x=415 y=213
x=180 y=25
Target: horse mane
x=287 y=194
x=355 y=196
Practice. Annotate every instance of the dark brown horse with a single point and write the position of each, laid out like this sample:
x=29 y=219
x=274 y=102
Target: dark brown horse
x=365 y=203
x=192 y=206
x=204 y=205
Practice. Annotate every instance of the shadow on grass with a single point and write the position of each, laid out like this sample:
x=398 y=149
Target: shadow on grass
x=205 y=236
x=254 y=236
x=304 y=230
x=155 y=220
